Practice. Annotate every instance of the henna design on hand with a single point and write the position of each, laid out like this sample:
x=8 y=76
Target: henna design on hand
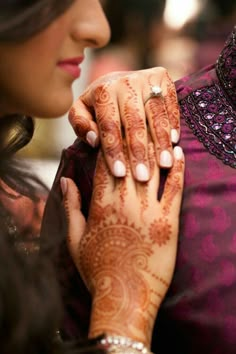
x=172 y=187
x=80 y=124
x=160 y=123
x=135 y=125
x=110 y=129
x=171 y=102
x=119 y=245
x=160 y=231
x=98 y=211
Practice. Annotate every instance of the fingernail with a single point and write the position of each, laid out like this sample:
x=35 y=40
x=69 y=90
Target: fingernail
x=174 y=136
x=178 y=152
x=63 y=183
x=91 y=138
x=119 y=169
x=142 y=172
x=165 y=159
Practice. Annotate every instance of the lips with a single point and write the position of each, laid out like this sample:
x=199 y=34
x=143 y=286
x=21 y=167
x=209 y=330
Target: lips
x=71 y=66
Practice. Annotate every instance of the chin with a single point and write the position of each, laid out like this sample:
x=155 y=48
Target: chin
x=55 y=109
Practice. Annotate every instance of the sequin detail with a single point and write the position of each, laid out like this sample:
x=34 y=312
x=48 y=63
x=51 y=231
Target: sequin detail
x=226 y=68
x=210 y=111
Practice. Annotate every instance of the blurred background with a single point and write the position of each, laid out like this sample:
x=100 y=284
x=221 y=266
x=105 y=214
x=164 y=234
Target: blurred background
x=181 y=35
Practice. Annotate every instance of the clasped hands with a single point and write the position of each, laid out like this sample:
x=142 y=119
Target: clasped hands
x=126 y=250
x=117 y=101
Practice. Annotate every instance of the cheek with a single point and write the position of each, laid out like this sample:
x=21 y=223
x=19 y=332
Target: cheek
x=30 y=81
x=44 y=94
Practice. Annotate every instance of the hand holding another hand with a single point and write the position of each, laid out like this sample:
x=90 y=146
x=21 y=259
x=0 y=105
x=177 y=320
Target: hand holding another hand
x=126 y=252
x=121 y=105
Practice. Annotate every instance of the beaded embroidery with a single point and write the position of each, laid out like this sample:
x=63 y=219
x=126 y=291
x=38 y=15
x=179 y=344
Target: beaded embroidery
x=210 y=112
x=226 y=67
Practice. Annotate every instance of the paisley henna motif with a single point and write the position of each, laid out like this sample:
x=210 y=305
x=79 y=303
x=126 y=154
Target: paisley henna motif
x=80 y=124
x=112 y=246
x=109 y=127
x=160 y=123
x=135 y=125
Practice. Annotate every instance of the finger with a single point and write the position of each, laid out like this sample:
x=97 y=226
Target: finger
x=173 y=189
x=99 y=103
x=154 y=182
x=172 y=107
x=159 y=124
x=107 y=196
x=134 y=121
x=81 y=120
x=158 y=115
x=108 y=118
x=103 y=181
x=127 y=186
x=148 y=191
x=75 y=219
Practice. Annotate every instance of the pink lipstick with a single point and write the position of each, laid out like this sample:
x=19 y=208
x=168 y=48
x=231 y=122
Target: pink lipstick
x=71 y=66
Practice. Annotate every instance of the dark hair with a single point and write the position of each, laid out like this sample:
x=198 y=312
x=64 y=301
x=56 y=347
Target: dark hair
x=30 y=304
x=21 y=19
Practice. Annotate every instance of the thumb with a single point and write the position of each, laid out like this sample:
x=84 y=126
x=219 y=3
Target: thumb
x=75 y=220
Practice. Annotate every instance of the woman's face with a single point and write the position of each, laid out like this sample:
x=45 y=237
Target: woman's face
x=36 y=75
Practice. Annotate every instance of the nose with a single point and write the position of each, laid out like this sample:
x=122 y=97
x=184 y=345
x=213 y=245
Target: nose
x=92 y=26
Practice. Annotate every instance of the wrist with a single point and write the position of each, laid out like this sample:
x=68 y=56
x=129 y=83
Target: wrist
x=135 y=324
x=123 y=345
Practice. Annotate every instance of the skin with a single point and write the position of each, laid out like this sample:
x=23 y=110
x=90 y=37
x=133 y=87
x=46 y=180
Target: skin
x=126 y=252
x=122 y=210
x=31 y=82
x=126 y=95
x=45 y=89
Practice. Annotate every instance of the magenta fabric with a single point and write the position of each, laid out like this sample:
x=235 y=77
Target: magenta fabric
x=199 y=312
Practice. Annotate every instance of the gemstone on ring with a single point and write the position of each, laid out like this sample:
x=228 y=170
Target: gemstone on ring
x=156 y=90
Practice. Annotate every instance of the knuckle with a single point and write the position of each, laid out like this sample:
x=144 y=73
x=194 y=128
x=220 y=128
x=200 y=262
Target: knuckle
x=100 y=89
x=160 y=70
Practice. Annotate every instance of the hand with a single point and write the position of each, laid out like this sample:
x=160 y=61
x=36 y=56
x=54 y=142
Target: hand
x=120 y=103
x=126 y=253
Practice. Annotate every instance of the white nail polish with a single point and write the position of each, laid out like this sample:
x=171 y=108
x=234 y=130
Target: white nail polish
x=178 y=152
x=174 y=136
x=91 y=138
x=142 y=172
x=165 y=159
x=119 y=169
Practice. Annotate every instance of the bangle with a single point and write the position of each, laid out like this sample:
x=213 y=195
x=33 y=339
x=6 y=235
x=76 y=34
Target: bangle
x=118 y=344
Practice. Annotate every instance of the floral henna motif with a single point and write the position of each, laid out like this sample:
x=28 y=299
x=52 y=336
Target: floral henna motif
x=160 y=232
x=114 y=242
